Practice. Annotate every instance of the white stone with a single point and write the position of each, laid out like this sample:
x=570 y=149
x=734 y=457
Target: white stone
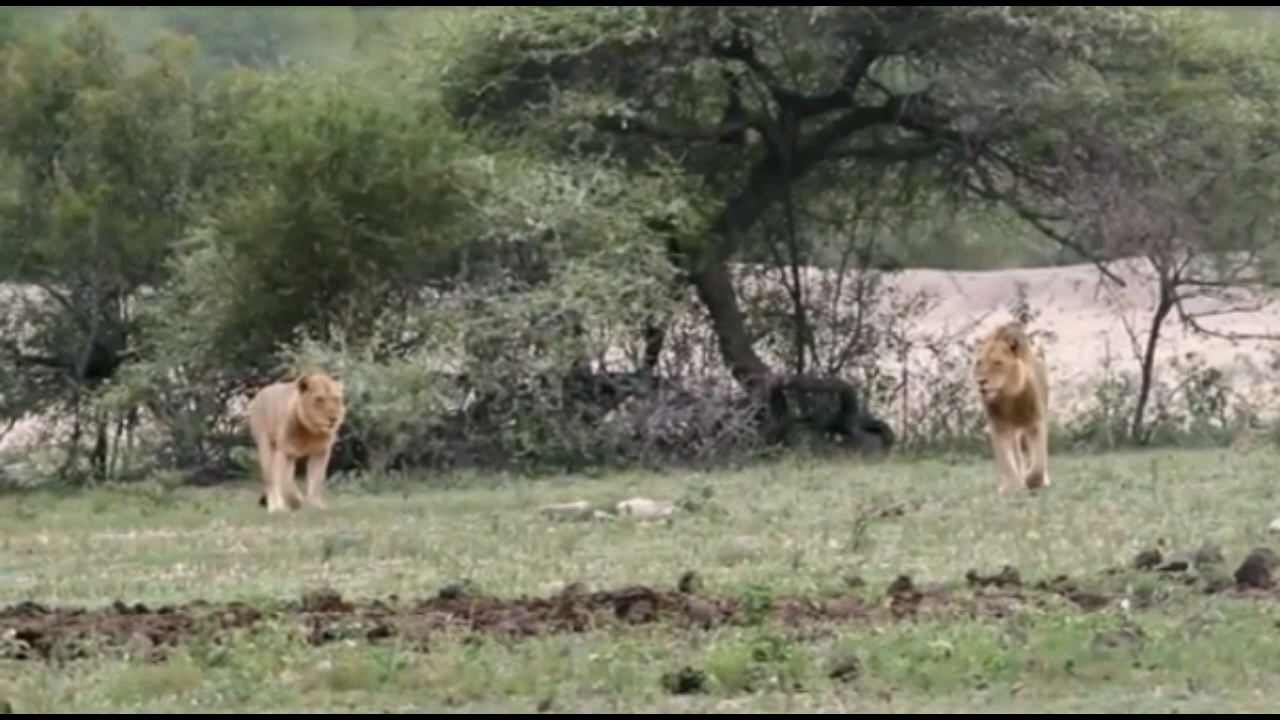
x=578 y=510
x=645 y=509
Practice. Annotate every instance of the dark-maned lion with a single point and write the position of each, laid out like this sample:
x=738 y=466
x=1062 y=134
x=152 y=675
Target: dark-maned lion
x=1013 y=382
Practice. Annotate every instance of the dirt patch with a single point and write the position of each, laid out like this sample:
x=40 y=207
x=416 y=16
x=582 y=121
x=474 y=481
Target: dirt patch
x=30 y=631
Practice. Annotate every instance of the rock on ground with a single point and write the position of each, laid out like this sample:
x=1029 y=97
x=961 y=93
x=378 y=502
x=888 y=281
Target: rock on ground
x=578 y=510
x=645 y=509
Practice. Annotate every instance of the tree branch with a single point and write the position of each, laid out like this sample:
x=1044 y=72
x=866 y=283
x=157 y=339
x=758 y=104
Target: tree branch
x=842 y=98
x=893 y=152
x=1191 y=321
x=1037 y=220
x=766 y=182
x=739 y=46
x=723 y=131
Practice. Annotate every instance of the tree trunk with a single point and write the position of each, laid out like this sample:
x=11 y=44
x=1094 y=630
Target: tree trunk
x=768 y=182
x=655 y=336
x=1163 y=308
x=113 y=455
x=73 y=445
x=98 y=460
x=714 y=284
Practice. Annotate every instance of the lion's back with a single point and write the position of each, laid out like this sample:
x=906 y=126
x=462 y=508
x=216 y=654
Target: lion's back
x=269 y=408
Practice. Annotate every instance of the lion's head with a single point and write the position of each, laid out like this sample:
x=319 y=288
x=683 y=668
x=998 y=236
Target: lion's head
x=1001 y=367
x=320 y=407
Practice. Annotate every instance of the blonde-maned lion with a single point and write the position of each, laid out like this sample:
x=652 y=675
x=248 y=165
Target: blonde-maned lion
x=1013 y=383
x=290 y=421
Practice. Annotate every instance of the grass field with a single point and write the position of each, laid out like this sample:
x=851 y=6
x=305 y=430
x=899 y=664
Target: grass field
x=794 y=611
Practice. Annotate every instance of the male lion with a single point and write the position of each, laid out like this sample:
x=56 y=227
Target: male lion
x=1014 y=384
x=290 y=421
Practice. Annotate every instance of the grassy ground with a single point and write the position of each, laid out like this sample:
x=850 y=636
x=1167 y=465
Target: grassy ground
x=783 y=530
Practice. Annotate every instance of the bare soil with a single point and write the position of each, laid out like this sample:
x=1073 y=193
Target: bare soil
x=31 y=631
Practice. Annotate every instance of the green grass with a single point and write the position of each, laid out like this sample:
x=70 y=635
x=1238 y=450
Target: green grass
x=810 y=525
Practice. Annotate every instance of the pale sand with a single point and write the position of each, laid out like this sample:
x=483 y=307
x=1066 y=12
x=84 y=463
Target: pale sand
x=1087 y=319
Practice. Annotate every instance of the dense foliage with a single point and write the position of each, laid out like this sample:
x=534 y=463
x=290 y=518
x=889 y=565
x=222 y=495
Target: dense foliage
x=511 y=229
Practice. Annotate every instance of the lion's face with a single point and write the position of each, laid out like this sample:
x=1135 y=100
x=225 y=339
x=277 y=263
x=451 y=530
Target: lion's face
x=998 y=371
x=320 y=402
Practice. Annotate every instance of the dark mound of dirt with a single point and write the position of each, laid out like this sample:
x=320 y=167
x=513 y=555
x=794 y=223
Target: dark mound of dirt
x=32 y=631
x=1255 y=571
x=1254 y=574
x=1007 y=577
x=685 y=681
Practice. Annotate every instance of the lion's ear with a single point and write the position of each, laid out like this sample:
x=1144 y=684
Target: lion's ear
x=303 y=381
x=1013 y=337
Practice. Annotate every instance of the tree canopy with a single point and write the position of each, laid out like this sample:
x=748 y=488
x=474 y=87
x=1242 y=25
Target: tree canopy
x=972 y=103
x=503 y=196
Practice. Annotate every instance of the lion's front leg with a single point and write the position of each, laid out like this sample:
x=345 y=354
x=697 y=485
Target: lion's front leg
x=277 y=464
x=267 y=451
x=1038 y=441
x=316 y=466
x=1004 y=446
x=287 y=494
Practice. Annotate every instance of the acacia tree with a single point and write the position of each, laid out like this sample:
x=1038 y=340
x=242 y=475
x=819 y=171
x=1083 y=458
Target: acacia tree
x=1189 y=192
x=751 y=100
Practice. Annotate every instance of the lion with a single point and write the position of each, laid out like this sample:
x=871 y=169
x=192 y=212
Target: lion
x=290 y=421
x=1013 y=382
